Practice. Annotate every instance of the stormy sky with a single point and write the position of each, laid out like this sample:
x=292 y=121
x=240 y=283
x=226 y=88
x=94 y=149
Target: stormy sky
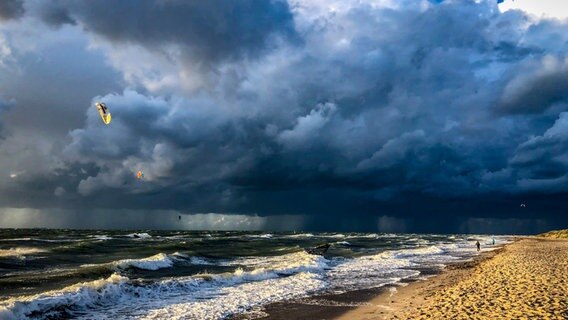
x=373 y=115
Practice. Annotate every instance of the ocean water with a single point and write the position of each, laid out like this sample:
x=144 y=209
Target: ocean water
x=73 y=274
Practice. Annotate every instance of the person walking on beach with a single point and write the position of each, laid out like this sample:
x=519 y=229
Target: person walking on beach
x=478 y=245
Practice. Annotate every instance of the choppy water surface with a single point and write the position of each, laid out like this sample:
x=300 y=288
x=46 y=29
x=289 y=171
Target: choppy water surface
x=51 y=274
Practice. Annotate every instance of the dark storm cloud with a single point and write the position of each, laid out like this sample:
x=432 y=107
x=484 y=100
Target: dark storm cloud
x=370 y=111
x=404 y=114
x=56 y=15
x=50 y=77
x=4 y=106
x=202 y=30
x=11 y=9
x=538 y=88
x=63 y=80
x=543 y=161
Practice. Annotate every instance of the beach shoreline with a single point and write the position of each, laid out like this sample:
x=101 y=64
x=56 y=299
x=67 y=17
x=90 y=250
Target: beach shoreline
x=380 y=302
x=527 y=278
x=418 y=293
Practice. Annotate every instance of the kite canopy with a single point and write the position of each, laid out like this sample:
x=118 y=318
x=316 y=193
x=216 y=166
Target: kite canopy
x=139 y=175
x=103 y=111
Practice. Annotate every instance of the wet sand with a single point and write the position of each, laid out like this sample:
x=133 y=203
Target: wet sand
x=527 y=279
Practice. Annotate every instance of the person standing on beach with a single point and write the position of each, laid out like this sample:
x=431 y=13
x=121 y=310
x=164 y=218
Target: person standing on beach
x=478 y=245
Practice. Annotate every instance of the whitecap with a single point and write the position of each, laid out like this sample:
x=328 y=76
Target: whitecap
x=152 y=263
x=20 y=252
x=155 y=262
x=85 y=294
x=261 y=236
x=300 y=235
x=102 y=237
x=142 y=235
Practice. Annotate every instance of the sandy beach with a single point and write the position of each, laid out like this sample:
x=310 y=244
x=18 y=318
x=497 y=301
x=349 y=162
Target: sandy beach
x=527 y=279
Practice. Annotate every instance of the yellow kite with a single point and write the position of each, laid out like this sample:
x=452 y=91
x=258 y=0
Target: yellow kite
x=103 y=111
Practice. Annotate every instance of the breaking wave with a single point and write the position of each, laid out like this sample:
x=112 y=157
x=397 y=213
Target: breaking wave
x=155 y=262
x=79 y=296
x=142 y=235
x=235 y=289
x=300 y=235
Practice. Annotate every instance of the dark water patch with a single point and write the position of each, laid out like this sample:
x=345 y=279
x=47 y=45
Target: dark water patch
x=33 y=282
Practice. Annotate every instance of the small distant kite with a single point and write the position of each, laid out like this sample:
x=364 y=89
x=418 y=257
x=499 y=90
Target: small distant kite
x=139 y=175
x=523 y=205
x=103 y=111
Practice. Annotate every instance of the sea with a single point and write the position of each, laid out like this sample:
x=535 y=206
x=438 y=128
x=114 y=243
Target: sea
x=101 y=274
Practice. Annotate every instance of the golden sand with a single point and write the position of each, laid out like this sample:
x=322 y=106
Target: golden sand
x=556 y=234
x=527 y=280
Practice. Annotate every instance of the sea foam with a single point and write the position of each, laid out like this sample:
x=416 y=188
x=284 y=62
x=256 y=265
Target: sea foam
x=79 y=296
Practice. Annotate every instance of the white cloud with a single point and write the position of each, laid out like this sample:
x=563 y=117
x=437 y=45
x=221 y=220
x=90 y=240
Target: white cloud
x=307 y=126
x=5 y=52
x=540 y=8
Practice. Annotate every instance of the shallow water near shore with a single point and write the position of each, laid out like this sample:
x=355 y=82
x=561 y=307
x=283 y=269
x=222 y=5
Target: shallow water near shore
x=46 y=274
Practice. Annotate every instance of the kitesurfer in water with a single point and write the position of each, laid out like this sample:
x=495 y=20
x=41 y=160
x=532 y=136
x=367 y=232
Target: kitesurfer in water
x=319 y=250
x=478 y=245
